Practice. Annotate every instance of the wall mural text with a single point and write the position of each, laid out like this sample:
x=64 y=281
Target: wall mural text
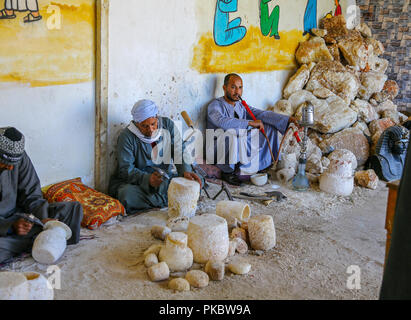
x=269 y=22
x=235 y=44
x=227 y=32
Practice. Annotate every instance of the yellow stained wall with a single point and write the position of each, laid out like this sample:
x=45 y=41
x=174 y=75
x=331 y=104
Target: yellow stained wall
x=32 y=53
x=255 y=52
x=35 y=54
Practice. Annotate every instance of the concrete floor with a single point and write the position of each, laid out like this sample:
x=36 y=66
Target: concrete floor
x=319 y=236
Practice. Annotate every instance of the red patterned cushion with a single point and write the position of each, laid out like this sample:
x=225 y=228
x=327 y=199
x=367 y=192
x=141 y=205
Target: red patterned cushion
x=97 y=207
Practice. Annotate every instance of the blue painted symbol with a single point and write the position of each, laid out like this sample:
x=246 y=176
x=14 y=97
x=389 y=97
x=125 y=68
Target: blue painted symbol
x=310 y=16
x=227 y=32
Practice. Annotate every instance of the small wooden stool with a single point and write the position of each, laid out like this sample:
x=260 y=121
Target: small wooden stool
x=389 y=220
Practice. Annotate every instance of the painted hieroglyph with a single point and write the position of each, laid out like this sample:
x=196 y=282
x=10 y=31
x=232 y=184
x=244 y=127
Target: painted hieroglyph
x=255 y=35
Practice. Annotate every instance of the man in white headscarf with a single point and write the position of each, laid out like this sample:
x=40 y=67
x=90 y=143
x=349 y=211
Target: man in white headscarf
x=149 y=141
x=10 y=6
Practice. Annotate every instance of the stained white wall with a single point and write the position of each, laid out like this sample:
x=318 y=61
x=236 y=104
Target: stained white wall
x=58 y=124
x=151 y=47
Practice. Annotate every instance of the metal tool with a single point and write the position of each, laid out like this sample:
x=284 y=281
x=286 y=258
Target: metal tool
x=226 y=190
x=242 y=195
x=279 y=195
x=199 y=170
x=267 y=196
x=31 y=218
x=161 y=172
x=251 y=197
x=196 y=168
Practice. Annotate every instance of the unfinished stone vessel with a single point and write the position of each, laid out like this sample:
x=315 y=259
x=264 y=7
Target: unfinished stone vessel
x=13 y=286
x=285 y=175
x=261 y=232
x=183 y=195
x=231 y=210
x=345 y=155
x=208 y=237
x=338 y=179
x=38 y=287
x=50 y=244
x=158 y=272
x=176 y=253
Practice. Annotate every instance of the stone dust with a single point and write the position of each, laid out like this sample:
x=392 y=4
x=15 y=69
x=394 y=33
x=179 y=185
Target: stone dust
x=318 y=237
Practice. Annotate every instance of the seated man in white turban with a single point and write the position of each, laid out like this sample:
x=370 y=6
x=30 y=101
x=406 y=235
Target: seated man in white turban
x=149 y=141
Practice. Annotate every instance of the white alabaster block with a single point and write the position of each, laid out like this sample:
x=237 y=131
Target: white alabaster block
x=208 y=237
x=261 y=232
x=183 y=195
x=231 y=210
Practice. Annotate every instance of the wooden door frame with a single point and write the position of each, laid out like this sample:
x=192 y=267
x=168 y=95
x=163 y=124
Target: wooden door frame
x=101 y=96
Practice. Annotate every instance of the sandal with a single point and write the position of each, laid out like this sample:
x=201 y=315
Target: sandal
x=31 y=18
x=4 y=15
x=231 y=179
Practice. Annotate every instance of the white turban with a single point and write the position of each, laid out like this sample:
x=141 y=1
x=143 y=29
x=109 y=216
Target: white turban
x=143 y=110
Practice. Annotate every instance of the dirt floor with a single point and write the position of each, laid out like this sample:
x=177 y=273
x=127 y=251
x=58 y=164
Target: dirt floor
x=319 y=236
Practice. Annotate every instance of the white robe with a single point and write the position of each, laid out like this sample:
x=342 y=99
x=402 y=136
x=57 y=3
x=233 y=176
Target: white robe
x=22 y=5
x=238 y=148
x=223 y=126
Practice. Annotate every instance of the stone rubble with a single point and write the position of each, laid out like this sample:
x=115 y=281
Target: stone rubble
x=342 y=74
x=367 y=179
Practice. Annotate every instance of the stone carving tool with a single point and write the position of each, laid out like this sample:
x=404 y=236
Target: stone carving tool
x=196 y=168
x=161 y=172
x=31 y=218
x=189 y=123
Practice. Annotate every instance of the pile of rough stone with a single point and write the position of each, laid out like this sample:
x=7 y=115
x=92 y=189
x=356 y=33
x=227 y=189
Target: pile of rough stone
x=343 y=76
x=174 y=258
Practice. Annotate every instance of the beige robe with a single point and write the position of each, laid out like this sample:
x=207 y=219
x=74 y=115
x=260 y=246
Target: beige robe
x=22 y=5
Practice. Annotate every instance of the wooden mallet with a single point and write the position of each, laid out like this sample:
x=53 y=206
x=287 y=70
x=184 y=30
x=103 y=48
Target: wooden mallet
x=189 y=123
